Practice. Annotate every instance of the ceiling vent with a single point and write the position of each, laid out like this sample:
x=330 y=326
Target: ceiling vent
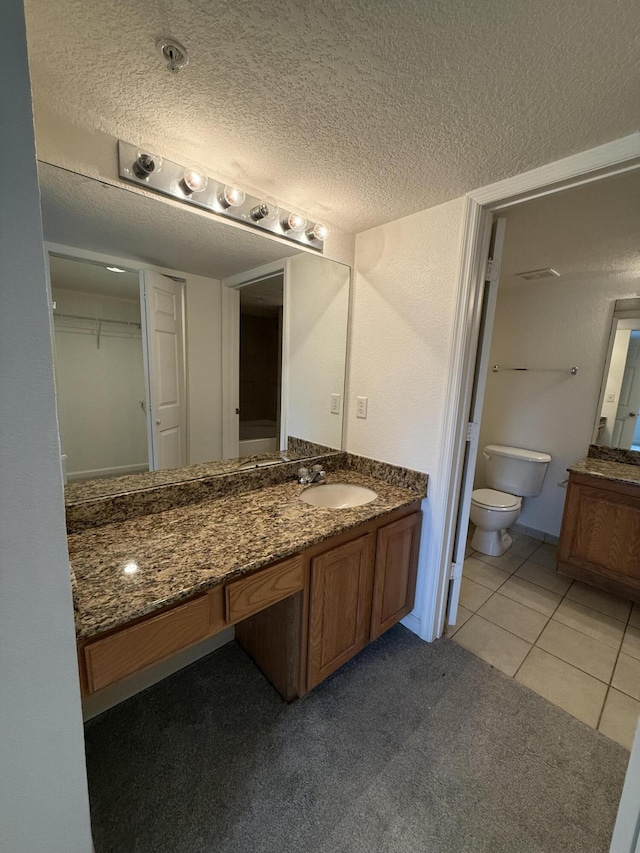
x=535 y=275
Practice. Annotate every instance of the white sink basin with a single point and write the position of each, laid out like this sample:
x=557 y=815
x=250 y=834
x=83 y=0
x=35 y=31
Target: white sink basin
x=338 y=495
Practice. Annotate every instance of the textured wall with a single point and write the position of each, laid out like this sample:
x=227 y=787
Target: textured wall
x=406 y=279
x=43 y=786
x=550 y=324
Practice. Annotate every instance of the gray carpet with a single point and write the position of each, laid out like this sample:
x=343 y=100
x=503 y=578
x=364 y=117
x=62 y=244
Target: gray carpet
x=410 y=748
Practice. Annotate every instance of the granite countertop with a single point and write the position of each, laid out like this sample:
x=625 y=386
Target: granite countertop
x=185 y=550
x=620 y=472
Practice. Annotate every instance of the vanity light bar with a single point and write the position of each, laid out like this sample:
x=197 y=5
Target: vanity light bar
x=141 y=165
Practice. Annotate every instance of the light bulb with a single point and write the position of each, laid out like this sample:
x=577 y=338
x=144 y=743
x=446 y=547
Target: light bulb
x=266 y=211
x=146 y=162
x=318 y=232
x=231 y=196
x=294 y=222
x=194 y=181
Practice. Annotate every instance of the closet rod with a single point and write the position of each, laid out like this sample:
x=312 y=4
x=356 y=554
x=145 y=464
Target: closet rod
x=97 y=320
x=572 y=370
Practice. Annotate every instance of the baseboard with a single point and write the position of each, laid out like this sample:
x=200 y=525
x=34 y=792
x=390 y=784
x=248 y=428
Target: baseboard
x=412 y=623
x=128 y=687
x=100 y=473
x=535 y=534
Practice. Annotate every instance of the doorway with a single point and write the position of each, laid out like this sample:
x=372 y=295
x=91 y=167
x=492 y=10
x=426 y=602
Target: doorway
x=481 y=208
x=260 y=371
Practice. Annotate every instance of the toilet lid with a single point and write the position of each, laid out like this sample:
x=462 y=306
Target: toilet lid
x=493 y=499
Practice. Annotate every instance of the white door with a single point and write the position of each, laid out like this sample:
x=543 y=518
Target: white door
x=484 y=311
x=167 y=392
x=629 y=403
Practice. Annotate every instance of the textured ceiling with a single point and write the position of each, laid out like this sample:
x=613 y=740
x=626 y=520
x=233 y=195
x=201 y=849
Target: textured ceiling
x=584 y=232
x=87 y=277
x=87 y=214
x=357 y=112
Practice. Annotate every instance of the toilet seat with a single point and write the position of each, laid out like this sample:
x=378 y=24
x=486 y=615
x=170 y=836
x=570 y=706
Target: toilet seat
x=494 y=500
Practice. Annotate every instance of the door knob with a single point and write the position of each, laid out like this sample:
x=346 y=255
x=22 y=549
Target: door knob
x=158 y=422
x=633 y=414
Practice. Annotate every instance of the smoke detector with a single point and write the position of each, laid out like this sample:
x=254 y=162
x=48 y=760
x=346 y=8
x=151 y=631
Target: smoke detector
x=536 y=275
x=173 y=52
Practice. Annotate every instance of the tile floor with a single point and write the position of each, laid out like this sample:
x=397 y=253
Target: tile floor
x=577 y=646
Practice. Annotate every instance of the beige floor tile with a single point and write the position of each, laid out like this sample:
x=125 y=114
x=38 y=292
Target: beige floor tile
x=493 y=644
x=631 y=642
x=603 y=628
x=523 y=545
x=634 y=619
x=627 y=676
x=462 y=617
x=575 y=648
x=578 y=693
x=508 y=562
x=473 y=595
x=468 y=551
x=620 y=718
x=542 y=576
x=514 y=617
x=546 y=555
x=484 y=574
x=598 y=599
x=531 y=595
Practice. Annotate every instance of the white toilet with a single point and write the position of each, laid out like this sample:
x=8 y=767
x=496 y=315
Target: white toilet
x=512 y=474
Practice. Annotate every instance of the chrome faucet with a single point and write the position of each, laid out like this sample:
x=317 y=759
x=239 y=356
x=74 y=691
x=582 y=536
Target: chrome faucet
x=316 y=475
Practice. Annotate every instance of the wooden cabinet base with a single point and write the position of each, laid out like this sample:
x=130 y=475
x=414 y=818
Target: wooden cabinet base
x=600 y=536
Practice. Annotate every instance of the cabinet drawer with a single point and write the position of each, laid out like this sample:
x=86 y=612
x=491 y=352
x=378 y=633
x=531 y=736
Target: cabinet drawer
x=264 y=588
x=148 y=642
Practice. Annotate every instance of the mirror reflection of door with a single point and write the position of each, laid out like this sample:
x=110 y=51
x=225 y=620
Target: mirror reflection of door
x=626 y=432
x=99 y=369
x=619 y=423
x=260 y=369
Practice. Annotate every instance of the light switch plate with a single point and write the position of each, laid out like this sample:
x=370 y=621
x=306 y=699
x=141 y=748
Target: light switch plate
x=362 y=404
x=335 y=404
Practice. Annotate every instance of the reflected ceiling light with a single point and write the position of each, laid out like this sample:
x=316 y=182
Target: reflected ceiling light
x=294 y=222
x=146 y=162
x=318 y=232
x=231 y=196
x=266 y=211
x=130 y=568
x=193 y=181
x=115 y=269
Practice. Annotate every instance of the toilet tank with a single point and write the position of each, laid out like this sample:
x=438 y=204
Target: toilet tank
x=515 y=470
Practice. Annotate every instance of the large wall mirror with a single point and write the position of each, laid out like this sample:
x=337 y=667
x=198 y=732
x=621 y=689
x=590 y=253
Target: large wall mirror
x=618 y=423
x=181 y=339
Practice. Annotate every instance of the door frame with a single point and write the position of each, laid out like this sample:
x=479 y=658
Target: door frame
x=480 y=206
x=231 y=344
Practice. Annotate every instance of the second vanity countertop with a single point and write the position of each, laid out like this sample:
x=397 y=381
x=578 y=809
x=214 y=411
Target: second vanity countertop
x=185 y=550
x=619 y=472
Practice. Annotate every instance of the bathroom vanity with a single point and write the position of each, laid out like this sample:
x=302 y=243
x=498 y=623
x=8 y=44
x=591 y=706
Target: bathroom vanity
x=600 y=536
x=305 y=587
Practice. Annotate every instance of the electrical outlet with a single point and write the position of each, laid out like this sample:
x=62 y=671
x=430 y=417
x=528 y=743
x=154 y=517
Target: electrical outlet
x=335 y=404
x=361 y=407
x=611 y=398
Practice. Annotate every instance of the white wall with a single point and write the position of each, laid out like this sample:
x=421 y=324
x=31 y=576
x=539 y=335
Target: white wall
x=103 y=428
x=43 y=787
x=406 y=282
x=550 y=323
x=204 y=367
x=316 y=303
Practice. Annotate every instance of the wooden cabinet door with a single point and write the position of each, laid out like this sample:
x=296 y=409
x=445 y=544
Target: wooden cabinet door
x=396 y=570
x=340 y=606
x=600 y=537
